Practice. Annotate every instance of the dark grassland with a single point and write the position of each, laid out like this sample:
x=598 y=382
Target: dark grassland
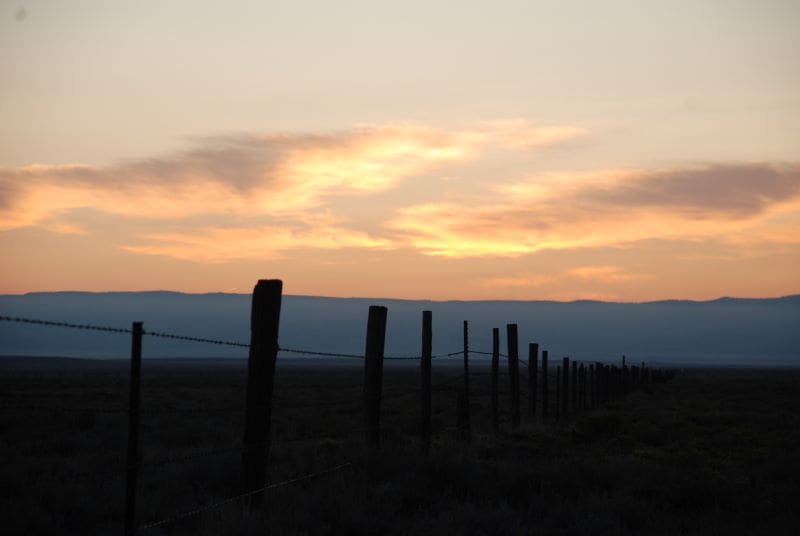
x=713 y=451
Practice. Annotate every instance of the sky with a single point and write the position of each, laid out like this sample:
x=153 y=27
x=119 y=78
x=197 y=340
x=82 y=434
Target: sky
x=616 y=150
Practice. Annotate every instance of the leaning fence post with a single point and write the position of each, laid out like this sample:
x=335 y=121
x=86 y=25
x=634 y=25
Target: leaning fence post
x=545 y=393
x=133 y=428
x=496 y=379
x=265 y=316
x=425 y=368
x=533 y=372
x=373 y=372
x=513 y=370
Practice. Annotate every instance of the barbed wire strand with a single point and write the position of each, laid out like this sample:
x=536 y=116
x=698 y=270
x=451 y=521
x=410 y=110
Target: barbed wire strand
x=206 y=340
x=205 y=508
x=80 y=409
x=89 y=327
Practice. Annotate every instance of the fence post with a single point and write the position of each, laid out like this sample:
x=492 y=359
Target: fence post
x=425 y=369
x=465 y=425
x=545 y=393
x=133 y=428
x=582 y=383
x=373 y=373
x=558 y=393
x=565 y=386
x=533 y=373
x=598 y=379
x=513 y=369
x=496 y=379
x=265 y=316
x=574 y=386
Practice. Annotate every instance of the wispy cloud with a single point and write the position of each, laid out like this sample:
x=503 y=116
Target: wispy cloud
x=601 y=209
x=219 y=244
x=605 y=274
x=256 y=174
x=272 y=187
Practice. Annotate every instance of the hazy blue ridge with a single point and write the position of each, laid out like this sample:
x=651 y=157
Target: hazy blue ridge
x=726 y=331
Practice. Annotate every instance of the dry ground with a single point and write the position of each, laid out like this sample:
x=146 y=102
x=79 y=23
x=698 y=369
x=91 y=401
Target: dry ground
x=713 y=451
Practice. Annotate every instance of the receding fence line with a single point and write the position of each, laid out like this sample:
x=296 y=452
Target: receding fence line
x=592 y=385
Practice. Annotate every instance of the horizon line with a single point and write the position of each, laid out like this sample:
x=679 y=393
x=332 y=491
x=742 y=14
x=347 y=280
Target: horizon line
x=486 y=300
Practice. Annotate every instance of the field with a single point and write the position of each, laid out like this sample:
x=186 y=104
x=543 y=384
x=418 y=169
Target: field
x=713 y=451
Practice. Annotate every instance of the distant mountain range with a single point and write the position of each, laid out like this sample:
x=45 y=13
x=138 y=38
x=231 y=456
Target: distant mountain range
x=727 y=331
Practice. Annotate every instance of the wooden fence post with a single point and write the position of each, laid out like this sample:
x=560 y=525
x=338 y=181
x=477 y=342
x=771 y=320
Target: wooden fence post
x=598 y=379
x=373 y=373
x=133 y=428
x=574 y=386
x=558 y=393
x=545 y=379
x=265 y=316
x=513 y=370
x=496 y=379
x=565 y=387
x=582 y=382
x=466 y=432
x=425 y=370
x=533 y=373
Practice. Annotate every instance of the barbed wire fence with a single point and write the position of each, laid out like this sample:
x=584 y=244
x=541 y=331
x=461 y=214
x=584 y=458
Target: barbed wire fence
x=243 y=448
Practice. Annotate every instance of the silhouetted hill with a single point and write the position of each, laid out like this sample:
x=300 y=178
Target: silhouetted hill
x=732 y=331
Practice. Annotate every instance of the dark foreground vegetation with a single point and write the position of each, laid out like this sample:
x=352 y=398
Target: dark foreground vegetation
x=713 y=451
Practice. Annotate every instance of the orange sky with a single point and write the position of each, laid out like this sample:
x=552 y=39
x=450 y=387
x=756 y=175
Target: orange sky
x=681 y=183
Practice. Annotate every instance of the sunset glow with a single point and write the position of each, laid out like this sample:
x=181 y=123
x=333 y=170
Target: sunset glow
x=492 y=182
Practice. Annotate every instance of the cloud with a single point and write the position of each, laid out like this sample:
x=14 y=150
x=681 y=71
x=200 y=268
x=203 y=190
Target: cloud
x=249 y=175
x=216 y=245
x=242 y=175
x=605 y=274
x=722 y=190
x=527 y=280
x=602 y=209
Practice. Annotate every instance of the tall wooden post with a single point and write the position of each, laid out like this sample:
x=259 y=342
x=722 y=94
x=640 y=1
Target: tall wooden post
x=513 y=369
x=495 y=379
x=265 y=316
x=565 y=387
x=533 y=372
x=465 y=425
x=591 y=386
x=545 y=379
x=425 y=381
x=133 y=428
x=373 y=373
